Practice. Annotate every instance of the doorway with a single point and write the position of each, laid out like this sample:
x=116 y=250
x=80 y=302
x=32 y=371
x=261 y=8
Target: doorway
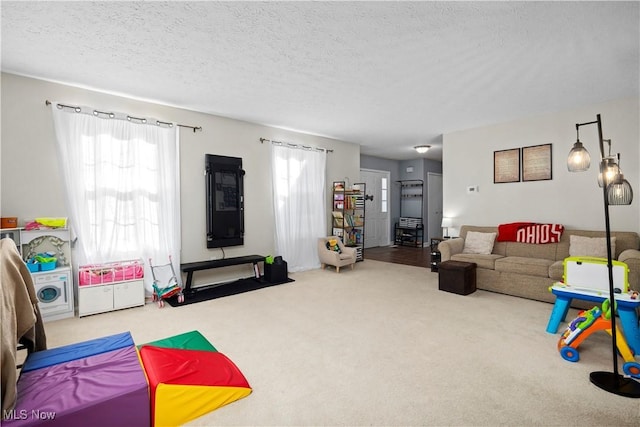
x=377 y=220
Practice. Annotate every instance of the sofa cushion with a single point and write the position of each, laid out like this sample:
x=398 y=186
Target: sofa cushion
x=523 y=265
x=624 y=240
x=556 y=270
x=478 y=243
x=482 y=260
x=590 y=246
x=531 y=250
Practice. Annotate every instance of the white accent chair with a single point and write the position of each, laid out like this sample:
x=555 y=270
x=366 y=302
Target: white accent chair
x=346 y=256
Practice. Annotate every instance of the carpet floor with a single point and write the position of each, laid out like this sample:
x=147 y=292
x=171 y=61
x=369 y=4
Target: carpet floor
x=380 y=345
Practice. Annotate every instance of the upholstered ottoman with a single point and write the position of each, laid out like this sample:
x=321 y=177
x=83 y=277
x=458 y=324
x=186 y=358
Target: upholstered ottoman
x=458 y=277
x=188 y=378
x=93 y=383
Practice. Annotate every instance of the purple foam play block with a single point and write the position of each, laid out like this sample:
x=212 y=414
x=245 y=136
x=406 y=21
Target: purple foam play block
x=109 y=389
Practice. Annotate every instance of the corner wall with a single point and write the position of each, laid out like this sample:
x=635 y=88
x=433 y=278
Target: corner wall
x=571 y=199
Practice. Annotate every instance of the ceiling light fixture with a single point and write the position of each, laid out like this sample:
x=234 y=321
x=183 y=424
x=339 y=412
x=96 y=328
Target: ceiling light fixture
x=422 y=148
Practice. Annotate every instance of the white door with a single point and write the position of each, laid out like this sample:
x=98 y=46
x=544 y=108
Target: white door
x=376 y=224
x=434 y=205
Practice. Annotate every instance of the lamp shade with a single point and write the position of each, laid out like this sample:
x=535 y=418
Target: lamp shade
x=447 y=222
x=608 y=171
x=422 y=148
x=579 y=159
x=619 y=191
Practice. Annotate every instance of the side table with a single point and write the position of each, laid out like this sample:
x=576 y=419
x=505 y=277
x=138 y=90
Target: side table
x=435 y=253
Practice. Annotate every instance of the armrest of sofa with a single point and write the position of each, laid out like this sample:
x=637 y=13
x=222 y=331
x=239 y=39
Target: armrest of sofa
x=450 y=247
x=631 y=257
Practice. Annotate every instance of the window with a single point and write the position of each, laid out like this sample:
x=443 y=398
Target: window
x=121 y=191
x=122 y=186
x=383 y=195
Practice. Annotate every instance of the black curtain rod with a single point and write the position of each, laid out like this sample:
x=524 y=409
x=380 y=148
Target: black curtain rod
x=130 y=118
x=262 y=140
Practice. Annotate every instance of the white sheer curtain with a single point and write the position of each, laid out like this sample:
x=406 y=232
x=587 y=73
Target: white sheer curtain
x=299 y=204
x=122 y=188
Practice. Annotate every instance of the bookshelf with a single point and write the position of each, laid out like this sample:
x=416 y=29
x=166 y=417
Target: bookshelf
x=409 y=231
x=348 y=215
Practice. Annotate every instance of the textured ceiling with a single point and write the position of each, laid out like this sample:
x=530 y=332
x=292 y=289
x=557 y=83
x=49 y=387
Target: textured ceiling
x=385 y=75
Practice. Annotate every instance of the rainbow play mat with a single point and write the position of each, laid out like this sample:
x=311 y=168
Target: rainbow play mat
x=188 y=378
x=111 y=382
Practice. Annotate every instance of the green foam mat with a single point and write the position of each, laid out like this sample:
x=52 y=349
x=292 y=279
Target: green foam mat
x=193 y=340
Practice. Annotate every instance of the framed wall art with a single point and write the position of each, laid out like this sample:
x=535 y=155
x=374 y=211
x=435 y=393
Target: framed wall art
x=506 y=166
x=536 y=163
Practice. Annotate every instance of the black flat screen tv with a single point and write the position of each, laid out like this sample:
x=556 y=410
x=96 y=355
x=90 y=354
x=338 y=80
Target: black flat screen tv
x=225 y=201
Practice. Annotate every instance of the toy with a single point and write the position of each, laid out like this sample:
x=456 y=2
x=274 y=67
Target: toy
x=332 y=245
x=172 y=288
x=100 y=381
x=588 y=322
x=189 y=377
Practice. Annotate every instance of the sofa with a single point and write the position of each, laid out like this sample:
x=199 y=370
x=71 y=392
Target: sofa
x=527 y=270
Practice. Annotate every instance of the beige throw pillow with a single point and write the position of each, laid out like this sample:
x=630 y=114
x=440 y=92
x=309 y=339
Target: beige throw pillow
x=590 y=246
x=478 y=243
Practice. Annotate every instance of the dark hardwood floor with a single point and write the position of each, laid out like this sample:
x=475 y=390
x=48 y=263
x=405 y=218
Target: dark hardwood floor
x=420 y=257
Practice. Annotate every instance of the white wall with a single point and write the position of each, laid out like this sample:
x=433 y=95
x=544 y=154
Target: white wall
x=31 y=184
x=572 y=199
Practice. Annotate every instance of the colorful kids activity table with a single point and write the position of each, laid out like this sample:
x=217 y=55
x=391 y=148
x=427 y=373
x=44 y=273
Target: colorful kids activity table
x=627 y=310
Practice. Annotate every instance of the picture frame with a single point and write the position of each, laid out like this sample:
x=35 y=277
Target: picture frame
x=506 y=166
x=536 y=163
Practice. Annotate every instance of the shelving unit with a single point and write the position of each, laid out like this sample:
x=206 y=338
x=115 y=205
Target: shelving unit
x=348 y=215
x=409 y=231
x=409 y=235
x=411 y=189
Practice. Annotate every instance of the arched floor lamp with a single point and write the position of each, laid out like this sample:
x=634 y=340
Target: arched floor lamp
x=616 y=191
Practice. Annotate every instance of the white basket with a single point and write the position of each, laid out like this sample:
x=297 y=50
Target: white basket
x=410 y=222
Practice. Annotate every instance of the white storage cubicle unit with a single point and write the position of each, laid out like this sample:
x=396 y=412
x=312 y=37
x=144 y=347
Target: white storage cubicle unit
x=110 y=286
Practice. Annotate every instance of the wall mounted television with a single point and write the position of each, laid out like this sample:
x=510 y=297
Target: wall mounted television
x=225 y=201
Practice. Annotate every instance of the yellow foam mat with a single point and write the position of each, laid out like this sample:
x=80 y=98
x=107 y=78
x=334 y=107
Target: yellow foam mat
x=178 y=404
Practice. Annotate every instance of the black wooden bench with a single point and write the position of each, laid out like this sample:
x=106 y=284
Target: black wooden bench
x=190 y=267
